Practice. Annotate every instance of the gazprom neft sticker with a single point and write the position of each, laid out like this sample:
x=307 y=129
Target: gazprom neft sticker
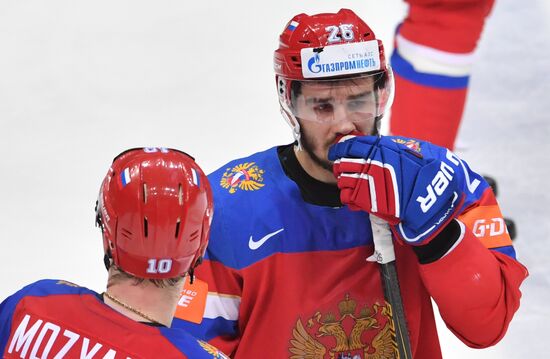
x=344 y=59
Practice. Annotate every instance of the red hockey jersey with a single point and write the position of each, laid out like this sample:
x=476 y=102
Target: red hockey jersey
x=290 y=279
x=57 y=319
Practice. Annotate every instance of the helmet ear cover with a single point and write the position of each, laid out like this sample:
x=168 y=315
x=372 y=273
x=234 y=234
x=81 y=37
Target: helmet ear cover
x=154 y=210
x=107 y=259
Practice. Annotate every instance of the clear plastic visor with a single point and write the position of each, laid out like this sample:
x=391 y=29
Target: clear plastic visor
x=359 y=99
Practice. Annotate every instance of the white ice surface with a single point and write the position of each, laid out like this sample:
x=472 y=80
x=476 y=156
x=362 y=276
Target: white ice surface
x=81 y=81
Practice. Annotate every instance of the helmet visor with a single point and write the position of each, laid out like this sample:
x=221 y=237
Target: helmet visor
x=359 y=99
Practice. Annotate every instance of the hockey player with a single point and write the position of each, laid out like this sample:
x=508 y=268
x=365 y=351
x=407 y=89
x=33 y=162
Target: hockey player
x=154 y=211
x=286 y=262
x=432 y=61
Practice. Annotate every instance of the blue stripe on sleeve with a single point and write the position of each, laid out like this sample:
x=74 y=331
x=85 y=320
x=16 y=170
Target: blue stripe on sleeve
x=185 y=343
x=209 y=328
x=508 y=250
x=405 y=69
x=6 y=314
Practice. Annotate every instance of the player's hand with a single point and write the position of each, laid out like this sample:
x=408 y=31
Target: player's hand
x=415 y=186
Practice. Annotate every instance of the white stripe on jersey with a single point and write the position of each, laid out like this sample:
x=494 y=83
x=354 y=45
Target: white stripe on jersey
x=432 y=61
x=219 y=305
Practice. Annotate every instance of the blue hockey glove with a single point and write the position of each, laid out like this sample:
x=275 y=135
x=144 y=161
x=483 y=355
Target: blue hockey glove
x=417 y=187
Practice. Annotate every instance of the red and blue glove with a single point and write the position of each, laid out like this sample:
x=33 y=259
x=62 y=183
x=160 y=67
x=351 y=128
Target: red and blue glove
x=415 y=186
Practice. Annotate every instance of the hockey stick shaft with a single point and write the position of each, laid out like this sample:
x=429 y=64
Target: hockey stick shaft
x=385 y=255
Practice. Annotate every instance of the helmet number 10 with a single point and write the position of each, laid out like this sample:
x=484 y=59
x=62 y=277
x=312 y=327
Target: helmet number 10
x=160 y=266
x=339 y=33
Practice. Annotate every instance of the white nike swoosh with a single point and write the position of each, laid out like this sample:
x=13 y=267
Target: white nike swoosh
x=257 y=244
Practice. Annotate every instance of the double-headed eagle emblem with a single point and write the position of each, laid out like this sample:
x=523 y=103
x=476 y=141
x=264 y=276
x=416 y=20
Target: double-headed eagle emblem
x=312 y=340
x=409 y=142
x=246 y=176
x=210 y=349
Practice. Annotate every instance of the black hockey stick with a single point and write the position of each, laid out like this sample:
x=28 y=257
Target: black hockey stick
x=385 y=255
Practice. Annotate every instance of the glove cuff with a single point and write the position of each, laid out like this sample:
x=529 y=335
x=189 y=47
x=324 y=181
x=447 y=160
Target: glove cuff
x=441 y=244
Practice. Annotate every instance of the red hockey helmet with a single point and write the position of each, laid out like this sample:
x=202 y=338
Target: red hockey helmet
x=318 y=31
x=331 y=48
x=155 y=209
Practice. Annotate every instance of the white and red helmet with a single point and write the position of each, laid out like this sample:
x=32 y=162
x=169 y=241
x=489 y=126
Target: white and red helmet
x=329 y=48
x=155 y=208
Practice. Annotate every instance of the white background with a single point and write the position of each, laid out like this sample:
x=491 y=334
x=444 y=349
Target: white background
x=81 y=81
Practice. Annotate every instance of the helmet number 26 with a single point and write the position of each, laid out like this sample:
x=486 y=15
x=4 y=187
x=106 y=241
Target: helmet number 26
x=159 y=266
x=339 y=33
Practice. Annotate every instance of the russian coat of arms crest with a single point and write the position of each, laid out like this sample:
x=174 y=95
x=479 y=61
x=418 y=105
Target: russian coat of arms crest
x=246 y=176
x=368 y=334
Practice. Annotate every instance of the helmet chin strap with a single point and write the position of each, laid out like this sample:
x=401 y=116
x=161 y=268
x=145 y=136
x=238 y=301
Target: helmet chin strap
x=377 y=125
x=286 y=112
x=294 y=125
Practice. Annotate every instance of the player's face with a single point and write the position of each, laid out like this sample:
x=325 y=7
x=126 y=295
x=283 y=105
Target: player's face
x=327 y=110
